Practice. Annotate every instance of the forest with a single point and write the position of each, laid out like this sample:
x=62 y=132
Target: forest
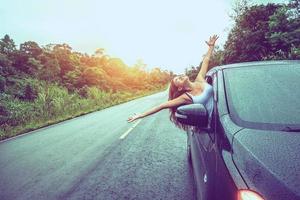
x=260 y=32
x=44 y=85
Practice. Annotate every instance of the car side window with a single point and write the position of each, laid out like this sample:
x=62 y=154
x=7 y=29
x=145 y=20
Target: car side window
x=212 y=80
x=214 y=114
x=215 y=87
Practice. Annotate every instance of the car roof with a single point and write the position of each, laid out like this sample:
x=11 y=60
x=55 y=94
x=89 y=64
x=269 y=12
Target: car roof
x=253 y=63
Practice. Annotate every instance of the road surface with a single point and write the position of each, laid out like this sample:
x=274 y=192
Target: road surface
x=100 y=156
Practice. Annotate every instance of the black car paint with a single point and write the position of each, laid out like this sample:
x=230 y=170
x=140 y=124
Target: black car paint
x=269 y=161
x=207 y=156
x=229 y=156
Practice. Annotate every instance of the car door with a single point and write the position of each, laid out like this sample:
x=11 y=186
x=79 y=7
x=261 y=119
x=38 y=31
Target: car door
x=204 y=155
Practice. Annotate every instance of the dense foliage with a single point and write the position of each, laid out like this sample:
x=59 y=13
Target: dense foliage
x=73 y=70
x=260 y=32
x=42 y=85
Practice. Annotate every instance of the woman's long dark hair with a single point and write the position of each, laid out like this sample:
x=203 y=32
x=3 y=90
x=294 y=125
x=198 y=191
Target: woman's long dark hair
x=174 y=93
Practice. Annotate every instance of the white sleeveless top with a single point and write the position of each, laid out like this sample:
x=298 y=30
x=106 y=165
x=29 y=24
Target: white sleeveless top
x=206 y=98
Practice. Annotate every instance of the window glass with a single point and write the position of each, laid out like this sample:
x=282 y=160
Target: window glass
x=265 y=95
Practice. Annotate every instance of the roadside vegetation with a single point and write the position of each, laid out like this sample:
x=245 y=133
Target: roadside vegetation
x=44 y=85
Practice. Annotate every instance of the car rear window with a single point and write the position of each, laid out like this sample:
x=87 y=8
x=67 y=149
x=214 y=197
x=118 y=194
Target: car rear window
x=264 y=96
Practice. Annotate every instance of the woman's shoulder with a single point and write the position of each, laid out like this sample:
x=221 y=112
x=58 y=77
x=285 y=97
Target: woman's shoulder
x=187 y=97
x=201 y=84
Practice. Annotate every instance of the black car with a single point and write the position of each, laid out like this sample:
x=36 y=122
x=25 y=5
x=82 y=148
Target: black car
x=250 y=148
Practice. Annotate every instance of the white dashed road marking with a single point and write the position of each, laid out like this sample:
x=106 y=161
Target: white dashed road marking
x=130 y=129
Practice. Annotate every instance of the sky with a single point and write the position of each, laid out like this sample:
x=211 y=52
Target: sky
x=169 y=34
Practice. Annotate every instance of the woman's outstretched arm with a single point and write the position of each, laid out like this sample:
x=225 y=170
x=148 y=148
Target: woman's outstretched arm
x=171 y=103
x=205 y=62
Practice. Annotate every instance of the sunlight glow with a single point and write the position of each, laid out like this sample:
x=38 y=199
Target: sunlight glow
x=169 y=34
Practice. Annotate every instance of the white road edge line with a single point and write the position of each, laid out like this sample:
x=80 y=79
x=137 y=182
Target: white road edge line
x=130 y=129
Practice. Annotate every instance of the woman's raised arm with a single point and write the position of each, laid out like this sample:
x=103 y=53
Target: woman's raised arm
x=205 y=62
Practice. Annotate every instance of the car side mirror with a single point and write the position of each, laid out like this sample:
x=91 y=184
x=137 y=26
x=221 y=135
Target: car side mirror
x=193 y=115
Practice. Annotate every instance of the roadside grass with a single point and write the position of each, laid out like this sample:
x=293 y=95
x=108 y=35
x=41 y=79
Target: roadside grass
x=54 y=104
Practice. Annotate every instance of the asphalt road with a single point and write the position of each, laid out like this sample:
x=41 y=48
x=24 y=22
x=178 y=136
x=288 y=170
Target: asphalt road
x=95 y=157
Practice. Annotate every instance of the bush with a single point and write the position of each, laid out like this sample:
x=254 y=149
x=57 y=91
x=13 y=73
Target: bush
x=83 y=91
x=26 y=90
x=2 y=84
x=4 y=114
x=30 y=93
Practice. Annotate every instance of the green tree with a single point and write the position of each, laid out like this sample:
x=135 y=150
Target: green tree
x=51 y=69
x=72 y=80
x=62 y=53
x=7 y=46
x=284 y=32
x=6 y=68
x=94 y=76
x=247 y=40
x=295 y=8
x=31 y=49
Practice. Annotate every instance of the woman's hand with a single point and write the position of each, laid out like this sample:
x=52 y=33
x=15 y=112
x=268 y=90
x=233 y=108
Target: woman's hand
x=212 y=40
x=135 y=117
